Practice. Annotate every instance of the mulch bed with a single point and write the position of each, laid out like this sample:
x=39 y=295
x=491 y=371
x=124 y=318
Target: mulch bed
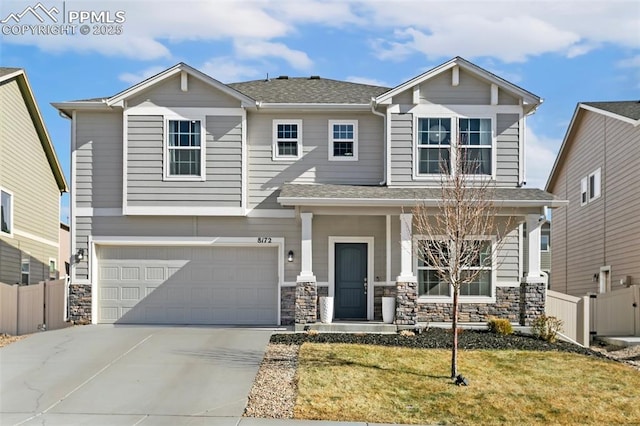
x=438 y=338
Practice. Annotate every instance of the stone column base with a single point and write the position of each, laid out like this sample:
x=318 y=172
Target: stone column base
x=533 y=295
x=406 y=303
x=306 y=302
x=80 y=303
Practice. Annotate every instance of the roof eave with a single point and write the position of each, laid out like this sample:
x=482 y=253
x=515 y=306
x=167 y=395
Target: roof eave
x=393 y=202
x=313 y=106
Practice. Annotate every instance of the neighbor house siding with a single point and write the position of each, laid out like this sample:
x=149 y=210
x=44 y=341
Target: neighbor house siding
x=26 y=172
x=169 y=94
x=145 y=174
x=98 y=156
x=267 y=175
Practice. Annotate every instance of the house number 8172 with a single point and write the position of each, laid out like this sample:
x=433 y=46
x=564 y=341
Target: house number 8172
x=264 y=240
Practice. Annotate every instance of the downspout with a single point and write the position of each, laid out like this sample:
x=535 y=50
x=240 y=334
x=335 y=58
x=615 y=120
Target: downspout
x=384 y=143
x=67 y=280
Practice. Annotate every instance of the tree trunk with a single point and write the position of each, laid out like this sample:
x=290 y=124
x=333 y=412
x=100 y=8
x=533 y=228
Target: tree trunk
x=454 y=324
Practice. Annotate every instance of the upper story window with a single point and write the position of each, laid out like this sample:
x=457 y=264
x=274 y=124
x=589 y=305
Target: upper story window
x=590 y=188
x=184 y=150
x=544 y=242
x=434 y=143
x=6 y=212
x=287 y=139
x=343 y=140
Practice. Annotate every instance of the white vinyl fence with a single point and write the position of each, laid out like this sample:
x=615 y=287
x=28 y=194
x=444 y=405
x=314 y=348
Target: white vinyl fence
x=617 y=312
x=574 y=314
x=27 y=309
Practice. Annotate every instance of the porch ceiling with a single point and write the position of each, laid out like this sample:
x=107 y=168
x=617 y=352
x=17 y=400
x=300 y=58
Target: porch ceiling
x=384 y=196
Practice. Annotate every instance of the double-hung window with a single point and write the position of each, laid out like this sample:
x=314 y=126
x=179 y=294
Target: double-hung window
x=343 y=140
x=25 y=270
x=6 y=212
x=475 y=142
x=287 y=139
x=479 y=265
x=437 y=136
x=434 y=145
x=184 y=149
x=590 y=188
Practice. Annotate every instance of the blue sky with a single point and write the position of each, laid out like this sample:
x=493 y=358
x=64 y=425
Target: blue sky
x=563 y=51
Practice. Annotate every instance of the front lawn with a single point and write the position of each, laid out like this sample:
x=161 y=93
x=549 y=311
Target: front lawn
x=387 y=384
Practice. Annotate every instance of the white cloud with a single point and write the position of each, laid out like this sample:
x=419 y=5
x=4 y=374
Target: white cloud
x=252 y=49
x=135 y=78
x=633 y=62
x=366 y=80
x=227 y=70
x=540 y=154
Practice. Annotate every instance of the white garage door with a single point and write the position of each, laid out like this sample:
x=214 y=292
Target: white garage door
x=187 y=285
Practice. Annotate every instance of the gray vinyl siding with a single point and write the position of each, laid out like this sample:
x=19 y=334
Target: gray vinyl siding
x=169 y=94
x=606 y=231
x=352 y=226
x=469 y=91
x=402 y=150
x=98 y=173
x=508 y=258
x=26 y=173
x=267 y=175
x=83 y=232
x=145 y=174
x=191 y=226
x=508 y=149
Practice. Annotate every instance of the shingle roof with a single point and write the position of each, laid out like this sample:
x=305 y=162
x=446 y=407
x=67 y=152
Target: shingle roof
x=8 y=70
x=290 y=192
x=629 y=109
x=302 y=90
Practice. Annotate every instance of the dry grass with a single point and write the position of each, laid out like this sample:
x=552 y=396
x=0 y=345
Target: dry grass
x=400 y=385
x=6 y=339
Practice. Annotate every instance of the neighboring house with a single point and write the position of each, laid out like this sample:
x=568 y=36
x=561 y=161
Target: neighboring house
x=596 y=238
x=31 y=182
x=196 y=201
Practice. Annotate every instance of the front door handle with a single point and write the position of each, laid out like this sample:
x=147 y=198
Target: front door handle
x=365 y=285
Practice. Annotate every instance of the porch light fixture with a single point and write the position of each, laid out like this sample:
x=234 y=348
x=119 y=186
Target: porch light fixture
x=79 y=255
x=290 y=256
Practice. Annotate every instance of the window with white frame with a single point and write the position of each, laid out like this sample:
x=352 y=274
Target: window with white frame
x=343 y=140
x=6 y=212
x=590 y=188
x=53 y=270
x=184 y=149
x=287 y=139
x=25 y=270
x=434 y=145
x=431 y=284
x=544 y=242
x=434 y=142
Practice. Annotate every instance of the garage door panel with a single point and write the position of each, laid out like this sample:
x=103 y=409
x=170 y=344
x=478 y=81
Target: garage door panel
x=188 y=285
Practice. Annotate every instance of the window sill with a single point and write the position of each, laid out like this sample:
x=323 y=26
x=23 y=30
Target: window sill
x=184 y=179
x=343 y=158
x=285 y=158
x=461 y=299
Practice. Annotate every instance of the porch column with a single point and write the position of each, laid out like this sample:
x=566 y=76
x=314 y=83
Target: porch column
x=406 y=249
x=306 y=262
x=306 y=287
x=407 y=283
x=533 y=237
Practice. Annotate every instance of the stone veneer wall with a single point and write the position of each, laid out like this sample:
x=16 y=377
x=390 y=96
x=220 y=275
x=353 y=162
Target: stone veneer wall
x=533 y=296
x=378 y=293
x=80 y=303
x=507 y=306
x=406 y=303
x=306 y=303
x=287 y=305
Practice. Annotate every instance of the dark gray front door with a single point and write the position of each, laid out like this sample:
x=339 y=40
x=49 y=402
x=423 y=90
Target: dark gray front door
x=351 y=281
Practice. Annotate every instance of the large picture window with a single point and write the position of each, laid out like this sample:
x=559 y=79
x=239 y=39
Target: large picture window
x=436 y=136
x=184 y=147
x=287 y=139
x=431 y=284
x=6 y=212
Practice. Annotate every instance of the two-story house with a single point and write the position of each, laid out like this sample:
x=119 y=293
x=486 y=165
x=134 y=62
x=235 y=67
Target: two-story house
x=596 y=238
x=31 y=182
x=198 y=202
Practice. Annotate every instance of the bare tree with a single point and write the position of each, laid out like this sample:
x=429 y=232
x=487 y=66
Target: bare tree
x=454 y=248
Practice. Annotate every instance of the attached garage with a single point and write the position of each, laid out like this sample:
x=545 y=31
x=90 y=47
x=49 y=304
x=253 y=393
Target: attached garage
x=187 y=285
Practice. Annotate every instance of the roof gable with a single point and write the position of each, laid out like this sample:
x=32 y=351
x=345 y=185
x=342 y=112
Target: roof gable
x=176 y=70
x=7 y=74
x=625 y=111
x=529 y=100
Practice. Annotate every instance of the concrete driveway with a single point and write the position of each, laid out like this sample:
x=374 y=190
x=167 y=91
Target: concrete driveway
x=130 y=375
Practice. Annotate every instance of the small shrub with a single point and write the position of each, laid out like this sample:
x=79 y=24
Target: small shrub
x=313 y=332
x=407 y=333
x=500 y=326
x=547 y=328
